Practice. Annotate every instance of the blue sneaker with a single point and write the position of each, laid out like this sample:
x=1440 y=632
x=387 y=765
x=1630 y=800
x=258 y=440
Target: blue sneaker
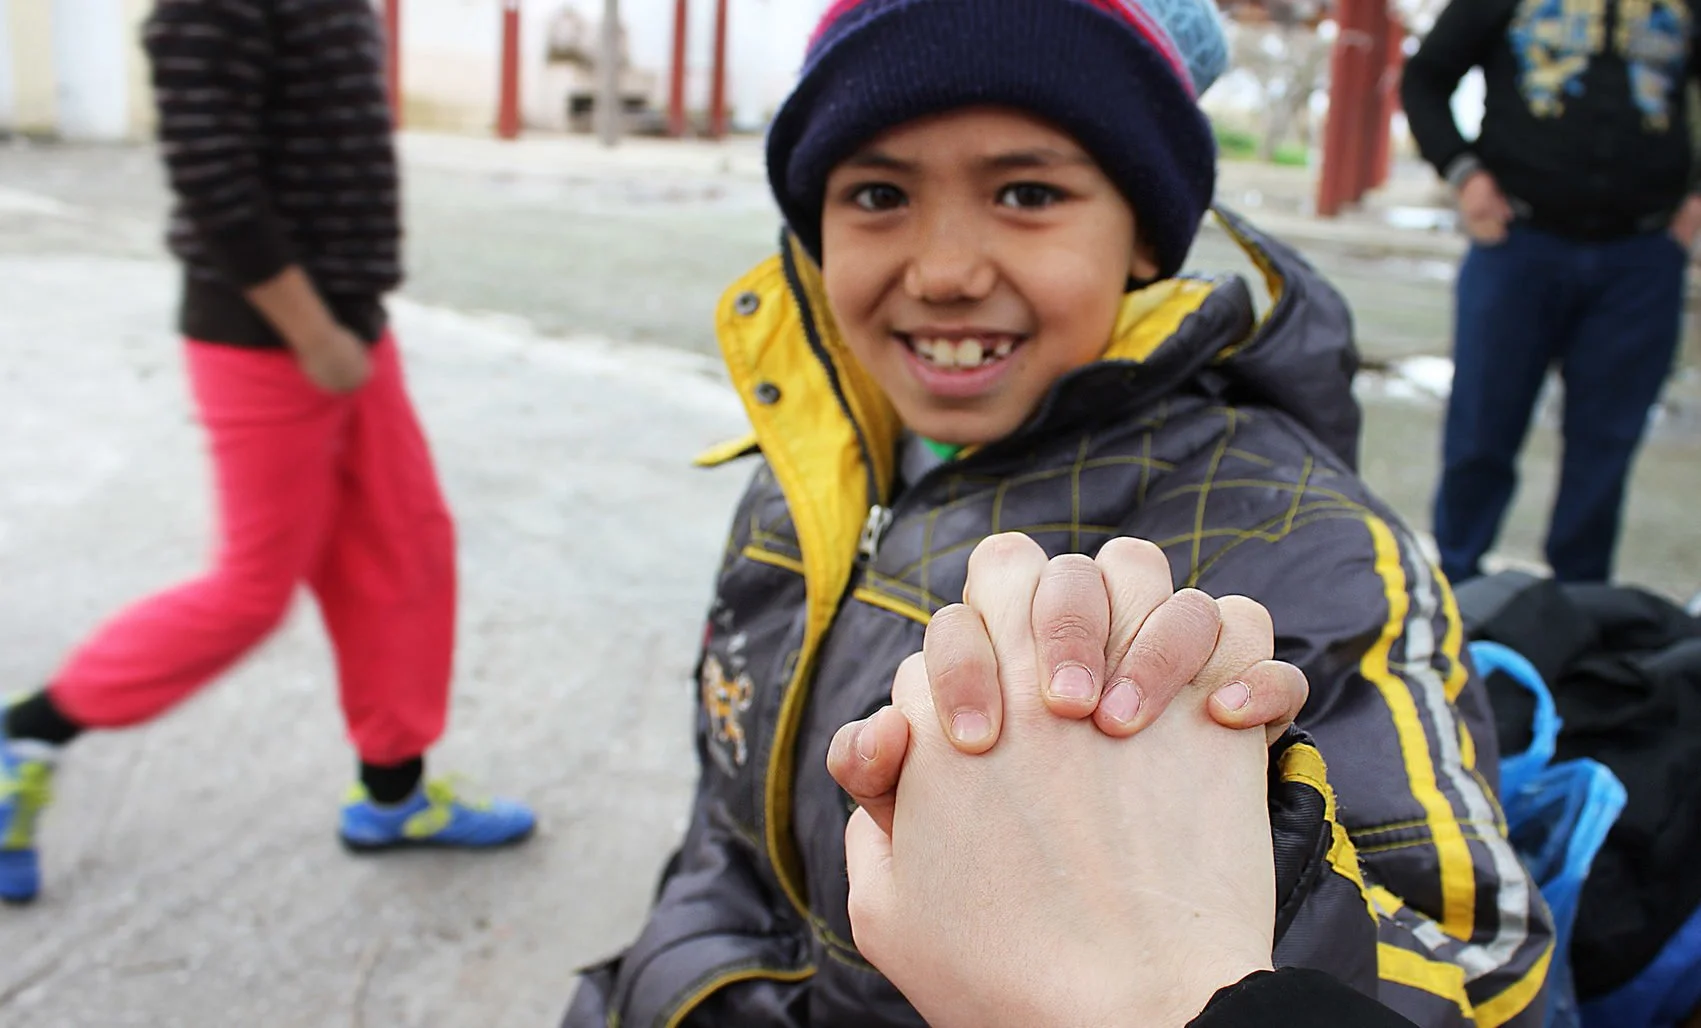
x=437 y=815
x=26 y=784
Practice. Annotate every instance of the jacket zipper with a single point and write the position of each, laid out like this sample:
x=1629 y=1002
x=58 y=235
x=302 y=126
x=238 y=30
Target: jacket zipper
x=873 y=532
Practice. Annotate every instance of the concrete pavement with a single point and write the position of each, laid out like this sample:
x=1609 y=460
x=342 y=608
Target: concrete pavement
x=192 y=873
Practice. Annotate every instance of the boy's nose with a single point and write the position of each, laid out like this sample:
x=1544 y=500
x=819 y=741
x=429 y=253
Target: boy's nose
x=950 y=264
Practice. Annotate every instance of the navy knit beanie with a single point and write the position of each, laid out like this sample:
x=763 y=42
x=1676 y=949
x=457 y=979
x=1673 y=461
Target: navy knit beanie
x=1121 y=76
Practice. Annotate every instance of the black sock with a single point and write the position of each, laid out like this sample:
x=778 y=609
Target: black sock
x=38 y=720
x=390 y=784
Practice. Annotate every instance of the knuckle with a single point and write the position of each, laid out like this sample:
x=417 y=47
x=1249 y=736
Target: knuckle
x=1072 y=630
x=1071 y=565
x=1130 y=550
x=947 y=626
x=911 y=681
x=1198 y=613
x=952 y=670
x=1155 y=664
x=1007 y=546
x=1249 y=624
x=997 y=561
x=1296 y=686
x=1247 y=610
x=1070 y=627
x=914 y=668
x=1138 y=559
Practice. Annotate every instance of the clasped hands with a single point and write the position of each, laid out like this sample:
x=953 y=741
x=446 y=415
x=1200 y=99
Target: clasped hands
x=1063 y=814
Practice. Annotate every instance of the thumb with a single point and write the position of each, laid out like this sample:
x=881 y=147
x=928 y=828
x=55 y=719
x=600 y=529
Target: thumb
x=873 y=896
x=866 y=758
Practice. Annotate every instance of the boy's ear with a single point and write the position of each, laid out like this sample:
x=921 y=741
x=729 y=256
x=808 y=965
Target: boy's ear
x=1144 y=265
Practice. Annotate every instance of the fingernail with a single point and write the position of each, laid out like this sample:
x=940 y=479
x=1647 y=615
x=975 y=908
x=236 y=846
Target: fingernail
x=1123 y=702
x=1234 y=696
x=1073 y=682
x=867 y=746
x=971 y=727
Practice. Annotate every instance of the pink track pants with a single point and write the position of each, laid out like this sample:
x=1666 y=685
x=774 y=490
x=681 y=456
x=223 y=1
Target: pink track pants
x=338 y=492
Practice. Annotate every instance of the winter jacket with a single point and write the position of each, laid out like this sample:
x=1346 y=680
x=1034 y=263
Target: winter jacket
x=1586 y=124
x=1226 y=438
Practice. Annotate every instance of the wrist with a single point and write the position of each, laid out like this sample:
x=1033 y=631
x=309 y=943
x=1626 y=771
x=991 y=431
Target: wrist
x=292 y=306
x=1171 y=1001
x=1461 y=170
x=315 y=338
x=1192 y=996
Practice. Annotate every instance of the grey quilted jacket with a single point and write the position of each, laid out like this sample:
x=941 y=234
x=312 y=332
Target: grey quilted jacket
x=1226 y=437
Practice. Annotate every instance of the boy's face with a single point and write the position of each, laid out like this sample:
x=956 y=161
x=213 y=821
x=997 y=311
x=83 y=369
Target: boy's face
x=971 y=260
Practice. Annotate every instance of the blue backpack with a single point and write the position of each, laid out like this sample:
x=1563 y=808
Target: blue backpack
x=1558 y=816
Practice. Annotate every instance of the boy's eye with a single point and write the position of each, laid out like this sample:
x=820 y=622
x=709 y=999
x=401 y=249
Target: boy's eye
x=879 y=197
x=1029 y=196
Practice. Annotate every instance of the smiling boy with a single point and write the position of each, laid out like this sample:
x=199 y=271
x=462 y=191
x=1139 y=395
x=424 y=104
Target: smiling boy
x=975 y=326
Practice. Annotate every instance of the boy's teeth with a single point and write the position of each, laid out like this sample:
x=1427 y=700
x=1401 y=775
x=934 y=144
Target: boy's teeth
x=963 y=353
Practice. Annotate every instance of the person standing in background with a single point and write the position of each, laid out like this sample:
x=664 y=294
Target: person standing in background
x=276 y=131
x=1579 y=199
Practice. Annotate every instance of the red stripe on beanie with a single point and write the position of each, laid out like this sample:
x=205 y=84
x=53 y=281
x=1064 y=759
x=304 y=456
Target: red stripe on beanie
x=834 y=13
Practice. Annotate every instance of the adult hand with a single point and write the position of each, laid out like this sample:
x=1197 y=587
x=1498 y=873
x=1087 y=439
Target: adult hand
x=1065 y=878
x=1484 y=208
x=335 y=360
x=1686 y=226
x=1117 y=612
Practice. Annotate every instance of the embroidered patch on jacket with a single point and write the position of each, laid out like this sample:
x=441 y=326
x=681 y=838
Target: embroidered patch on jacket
x=1555 y=40
x=726 y=700
x=1653 y=37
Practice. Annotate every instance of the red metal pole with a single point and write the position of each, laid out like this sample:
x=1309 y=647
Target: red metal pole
x=1376 y=106
x=508 y=103
x=676 y=87
x=1343 y=142
x=717 y=88
x=1384 y=165
x=393 y=57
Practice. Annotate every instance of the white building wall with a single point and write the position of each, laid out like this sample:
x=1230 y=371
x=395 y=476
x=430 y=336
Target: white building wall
x=451 y=53
x=90 y=82
x=8 y=72
x=90 y=61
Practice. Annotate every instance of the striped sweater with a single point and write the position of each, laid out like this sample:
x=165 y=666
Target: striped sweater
x=275 y=126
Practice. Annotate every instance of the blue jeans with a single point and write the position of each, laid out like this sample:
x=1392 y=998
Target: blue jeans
x=1609 y=314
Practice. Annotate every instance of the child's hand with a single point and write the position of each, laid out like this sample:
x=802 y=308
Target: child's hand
x=1113 y=640
x=331 y=356
x=1066 y=878
x=335 y=360
x=1119 y=612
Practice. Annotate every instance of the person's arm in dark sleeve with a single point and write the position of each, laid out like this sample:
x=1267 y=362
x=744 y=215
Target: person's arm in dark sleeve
x=212 y=62
x=1295 y=998
x=1462 y=38
x=1692 y=86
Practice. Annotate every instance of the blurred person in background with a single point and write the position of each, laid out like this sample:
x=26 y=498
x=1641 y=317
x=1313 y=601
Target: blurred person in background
x=1579 y=199
x=276 y=131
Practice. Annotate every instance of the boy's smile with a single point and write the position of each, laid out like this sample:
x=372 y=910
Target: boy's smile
x=971 y=260
x=953 y=362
